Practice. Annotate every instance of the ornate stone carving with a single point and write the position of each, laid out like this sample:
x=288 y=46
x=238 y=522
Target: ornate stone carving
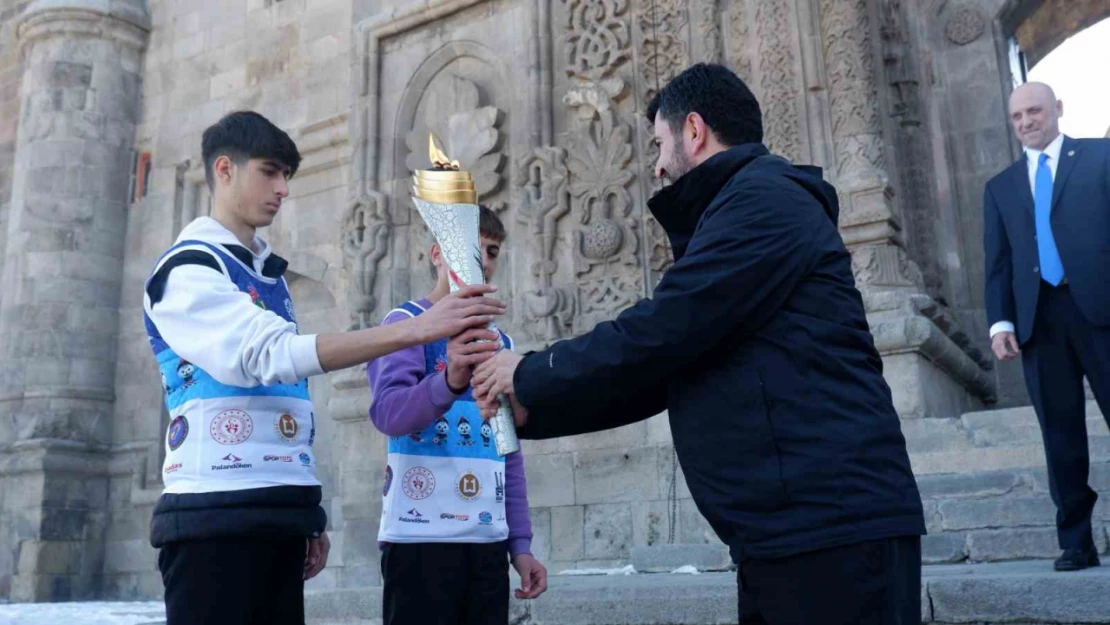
x=777 y=81
x=604 y=298
x=597 y=37
x=738 y=40
x=598 y=164
x=852 y=96
x=884 y=266
x=663 y=49
x=660 y=256
x=965 y=26
x=709 y=27
x=467 y=131
x=366 y=232
x=544 y=201
x=910 y=142
x=664 y=53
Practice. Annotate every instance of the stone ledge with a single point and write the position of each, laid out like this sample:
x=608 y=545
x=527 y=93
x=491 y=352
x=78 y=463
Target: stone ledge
x=667 y=558
x=1011 y=592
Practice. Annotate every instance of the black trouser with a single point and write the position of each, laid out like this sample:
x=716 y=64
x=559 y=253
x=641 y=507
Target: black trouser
x=234 y=580
x=872 y=583
x=1063 y=348
x=445 y=584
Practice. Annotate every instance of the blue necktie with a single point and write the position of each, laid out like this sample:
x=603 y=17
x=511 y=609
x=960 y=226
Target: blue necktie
x=1052 y=269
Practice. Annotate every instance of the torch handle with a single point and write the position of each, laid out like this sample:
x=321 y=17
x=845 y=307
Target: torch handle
x=504 y=428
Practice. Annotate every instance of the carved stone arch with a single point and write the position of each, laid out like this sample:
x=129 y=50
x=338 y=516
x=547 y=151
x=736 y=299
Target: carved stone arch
x=430 y=69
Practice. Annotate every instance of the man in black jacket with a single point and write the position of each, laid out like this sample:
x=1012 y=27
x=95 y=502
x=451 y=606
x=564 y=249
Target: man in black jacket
x=757 y=343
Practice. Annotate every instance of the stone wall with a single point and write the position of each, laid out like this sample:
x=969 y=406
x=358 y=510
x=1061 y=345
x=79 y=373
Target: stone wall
x=11 y=75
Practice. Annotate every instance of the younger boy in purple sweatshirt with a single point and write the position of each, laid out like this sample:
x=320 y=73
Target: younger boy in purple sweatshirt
x=453 y=511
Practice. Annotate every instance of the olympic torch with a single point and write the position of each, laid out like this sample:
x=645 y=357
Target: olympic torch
x=448 y=202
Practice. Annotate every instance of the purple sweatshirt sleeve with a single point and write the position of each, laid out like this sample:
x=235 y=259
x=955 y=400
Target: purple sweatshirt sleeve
x=516 y=505
x=402 y=399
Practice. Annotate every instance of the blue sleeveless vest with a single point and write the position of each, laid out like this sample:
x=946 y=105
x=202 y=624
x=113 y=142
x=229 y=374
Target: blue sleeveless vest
x=229 y=438
x=445 y=483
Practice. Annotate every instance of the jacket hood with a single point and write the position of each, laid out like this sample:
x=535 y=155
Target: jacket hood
x=809 y=177
x=209 y=230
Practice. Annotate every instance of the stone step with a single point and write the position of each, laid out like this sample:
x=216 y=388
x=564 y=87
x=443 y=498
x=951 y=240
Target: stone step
x=992 y=458
x=990 y=440
x=1008 y=592
x=1018 y=426
x=999 y=515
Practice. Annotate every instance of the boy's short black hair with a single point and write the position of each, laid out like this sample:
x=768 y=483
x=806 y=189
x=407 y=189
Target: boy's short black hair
x=489 y=224
x=717 y=94
x=244 y=135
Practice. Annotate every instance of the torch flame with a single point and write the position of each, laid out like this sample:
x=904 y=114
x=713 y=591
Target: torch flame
x=438 y=158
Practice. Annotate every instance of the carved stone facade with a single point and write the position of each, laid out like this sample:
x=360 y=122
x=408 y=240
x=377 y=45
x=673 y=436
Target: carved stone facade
x=544 y=102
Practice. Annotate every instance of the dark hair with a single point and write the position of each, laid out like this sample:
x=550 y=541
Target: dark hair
x=490 y=224
x=717 y=94
x=244 y=135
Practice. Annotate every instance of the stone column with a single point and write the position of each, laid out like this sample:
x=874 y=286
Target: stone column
x=80 y=103
x=932 y=367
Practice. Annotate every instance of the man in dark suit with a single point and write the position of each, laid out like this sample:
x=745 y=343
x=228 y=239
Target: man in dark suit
x=1046 y=228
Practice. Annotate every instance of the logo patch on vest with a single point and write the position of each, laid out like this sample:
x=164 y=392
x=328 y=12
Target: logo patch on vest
x=233 y=462
x=418 y=483
x=231 y=427
x=468 y=486
x=287 y=428
x=179 y=429
x=388 y=480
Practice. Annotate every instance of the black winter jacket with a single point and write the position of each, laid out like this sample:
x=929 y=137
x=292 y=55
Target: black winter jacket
x=757 y=343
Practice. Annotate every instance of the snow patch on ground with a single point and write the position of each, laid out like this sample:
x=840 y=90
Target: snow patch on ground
x=628 y=570
x=84 y=613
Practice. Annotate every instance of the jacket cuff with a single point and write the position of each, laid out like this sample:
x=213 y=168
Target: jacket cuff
x=306 y=361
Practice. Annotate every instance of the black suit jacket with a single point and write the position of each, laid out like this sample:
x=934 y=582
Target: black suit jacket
x=1080 y=224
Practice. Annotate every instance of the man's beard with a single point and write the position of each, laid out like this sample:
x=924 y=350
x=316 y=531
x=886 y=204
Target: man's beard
x=679 y=167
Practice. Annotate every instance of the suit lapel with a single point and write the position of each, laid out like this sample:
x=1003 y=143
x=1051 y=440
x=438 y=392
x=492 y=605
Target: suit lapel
x=1069 y=152
x=1019 y=178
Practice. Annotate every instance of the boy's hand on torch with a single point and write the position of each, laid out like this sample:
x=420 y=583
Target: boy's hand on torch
x=464 y=352
x=458 y=312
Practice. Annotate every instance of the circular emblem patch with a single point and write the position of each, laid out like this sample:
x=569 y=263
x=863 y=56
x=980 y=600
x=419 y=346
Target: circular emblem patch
x=388 y=480
x=179 y=429
x=485 y=518
x=231 y=427
x=286 y=427
x=467 y=486
x=305 y=459
x=418 y=483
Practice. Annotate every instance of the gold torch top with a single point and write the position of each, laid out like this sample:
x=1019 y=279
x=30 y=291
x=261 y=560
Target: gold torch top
x=445 y=182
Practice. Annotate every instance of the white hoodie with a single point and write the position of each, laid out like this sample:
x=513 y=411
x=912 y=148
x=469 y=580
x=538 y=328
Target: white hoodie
x=209 y=322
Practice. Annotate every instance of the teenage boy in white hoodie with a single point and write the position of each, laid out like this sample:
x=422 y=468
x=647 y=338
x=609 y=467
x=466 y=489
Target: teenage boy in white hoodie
x=239 y=525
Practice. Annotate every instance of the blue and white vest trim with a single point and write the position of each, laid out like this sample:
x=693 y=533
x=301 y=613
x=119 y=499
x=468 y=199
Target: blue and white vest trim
x=228 y=438
x=445 y=483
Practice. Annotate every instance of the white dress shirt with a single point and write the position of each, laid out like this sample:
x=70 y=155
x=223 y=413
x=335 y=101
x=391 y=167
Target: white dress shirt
x=1032 y=161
